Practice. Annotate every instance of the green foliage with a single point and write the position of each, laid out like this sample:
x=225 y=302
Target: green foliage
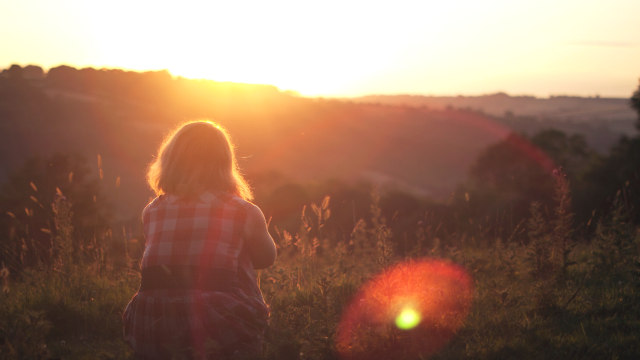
x=24 y=334
x=540 y=244
x=616 y=244
x=57 y=299
x=504 y=180
x=53 y=314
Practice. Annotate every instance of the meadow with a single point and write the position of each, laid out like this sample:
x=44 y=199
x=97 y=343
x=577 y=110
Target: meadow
x=542 y=293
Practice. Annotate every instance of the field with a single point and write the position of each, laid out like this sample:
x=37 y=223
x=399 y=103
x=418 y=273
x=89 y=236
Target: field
x=546 y=296
x=403 y=231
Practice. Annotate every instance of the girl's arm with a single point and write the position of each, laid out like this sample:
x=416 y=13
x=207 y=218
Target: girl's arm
x=260 y=245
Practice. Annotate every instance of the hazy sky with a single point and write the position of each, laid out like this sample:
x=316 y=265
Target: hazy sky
x=343 y=48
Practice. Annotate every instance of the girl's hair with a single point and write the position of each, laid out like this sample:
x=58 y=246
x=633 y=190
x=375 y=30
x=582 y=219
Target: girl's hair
x=197 y=157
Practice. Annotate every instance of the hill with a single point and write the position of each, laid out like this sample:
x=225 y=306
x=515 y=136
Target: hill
x=600 y=120
x=281 y=138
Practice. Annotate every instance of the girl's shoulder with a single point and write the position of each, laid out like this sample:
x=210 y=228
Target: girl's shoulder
x=246 y=207
x=250 y=210
x=153 y=203
x=225 y=198
x=240 y=201
x=207 y=199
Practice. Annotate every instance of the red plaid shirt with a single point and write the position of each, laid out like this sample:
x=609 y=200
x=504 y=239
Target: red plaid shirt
x=206 y=235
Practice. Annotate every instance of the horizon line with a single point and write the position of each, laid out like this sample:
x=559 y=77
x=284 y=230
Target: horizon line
x=337 y=97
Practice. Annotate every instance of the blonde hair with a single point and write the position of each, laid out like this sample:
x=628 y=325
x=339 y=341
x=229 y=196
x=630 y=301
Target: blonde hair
x=197 y=157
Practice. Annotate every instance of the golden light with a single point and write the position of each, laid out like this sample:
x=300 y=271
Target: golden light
x=409 y=311
x=294 y=46
x=341 y=48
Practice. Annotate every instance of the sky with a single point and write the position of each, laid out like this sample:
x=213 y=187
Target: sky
x=343 y=48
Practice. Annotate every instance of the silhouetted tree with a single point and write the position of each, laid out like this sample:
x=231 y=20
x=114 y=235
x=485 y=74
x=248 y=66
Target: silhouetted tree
x=63 y=77
x=33 y=72
x=15 y=72
x=617 y=175
x=574 y=157
x=569 y=151
x=20 y=99
x=507 y=177
x=635 y=103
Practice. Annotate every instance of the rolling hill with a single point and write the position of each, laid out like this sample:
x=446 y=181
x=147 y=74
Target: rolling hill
x=123 y=116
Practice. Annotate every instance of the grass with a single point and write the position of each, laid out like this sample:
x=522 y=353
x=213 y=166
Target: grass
x=585 y=305
x=49 y=314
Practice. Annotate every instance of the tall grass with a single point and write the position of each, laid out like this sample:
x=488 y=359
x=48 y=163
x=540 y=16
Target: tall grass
x=543 y=296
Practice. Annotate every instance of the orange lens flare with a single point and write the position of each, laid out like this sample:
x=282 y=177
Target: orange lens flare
x=411 y=310
x=408 y=319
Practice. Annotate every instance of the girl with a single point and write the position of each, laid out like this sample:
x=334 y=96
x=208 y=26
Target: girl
x=198 y=296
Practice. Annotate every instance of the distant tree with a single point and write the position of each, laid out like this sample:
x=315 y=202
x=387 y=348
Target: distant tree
x=64 y=77
x=33 y=72
x=15 y=72
x=616 y=177
x=569 y=151
x=20 y=100
x=508 y=176
x=574 y=157
x=635 y=103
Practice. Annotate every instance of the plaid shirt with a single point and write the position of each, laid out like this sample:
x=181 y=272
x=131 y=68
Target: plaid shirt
x=205 y=237
x=206 y=233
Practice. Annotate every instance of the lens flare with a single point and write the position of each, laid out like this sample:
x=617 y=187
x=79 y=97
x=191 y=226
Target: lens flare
x=408 y=319
x=409 y=311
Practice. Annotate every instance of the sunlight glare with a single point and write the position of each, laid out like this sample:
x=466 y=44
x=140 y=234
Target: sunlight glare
x=408 y=319
x=412 y=309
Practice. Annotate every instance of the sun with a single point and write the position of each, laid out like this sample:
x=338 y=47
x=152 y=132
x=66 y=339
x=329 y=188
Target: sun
x=315 y=51
x=269 y=53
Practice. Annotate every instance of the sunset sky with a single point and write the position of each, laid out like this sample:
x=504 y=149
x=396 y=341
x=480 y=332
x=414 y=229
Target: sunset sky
x=343 y=48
